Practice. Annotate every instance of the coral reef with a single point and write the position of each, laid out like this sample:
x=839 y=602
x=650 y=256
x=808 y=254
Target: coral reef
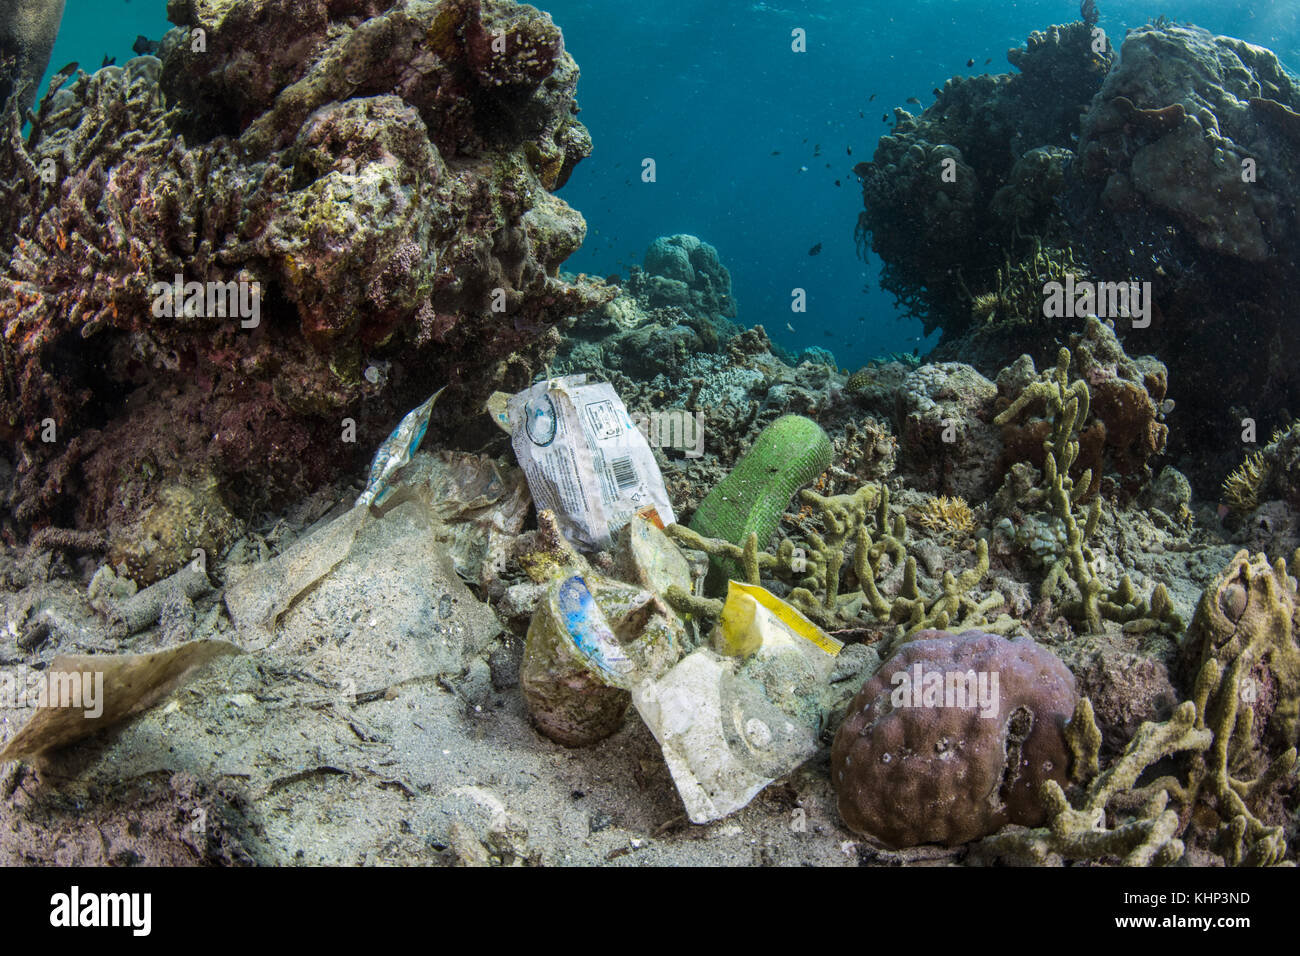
x=1003 y=141
x=1238 y=736
x=1126 y=398
x=1187 y=178
x=1165 y=144
x=28 y=29
x=362 y=196
x=912 y=765
x=682 y=271
x=1142 y=834
x=814 y=566
x=945 y=437
x=1242 y=646
x=1067 y=403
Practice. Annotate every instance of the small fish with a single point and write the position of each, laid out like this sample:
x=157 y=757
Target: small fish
x=914 y=101
x=143 y=46
x=837 y=182
x=988 y=61
x=861 y=115
x=789 y=326
x=849 y=149
x=884 y=118
x=862 y=169
x=803 y=169
x=970 y=63
x=776 y=152
x=871 y=97
x=815 y=250
x=936 y=91
x=108 y=61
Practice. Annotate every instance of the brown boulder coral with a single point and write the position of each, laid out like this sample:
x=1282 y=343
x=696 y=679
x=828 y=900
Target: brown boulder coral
x=930 y=773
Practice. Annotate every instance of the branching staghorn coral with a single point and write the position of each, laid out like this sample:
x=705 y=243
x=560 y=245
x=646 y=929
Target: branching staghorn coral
x=1067 y=404
x=815 y=567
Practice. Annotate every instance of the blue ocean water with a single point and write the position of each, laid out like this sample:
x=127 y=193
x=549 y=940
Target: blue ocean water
x=748 y=137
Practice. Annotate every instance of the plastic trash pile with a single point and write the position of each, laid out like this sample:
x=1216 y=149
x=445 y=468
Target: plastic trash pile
x=734 y=709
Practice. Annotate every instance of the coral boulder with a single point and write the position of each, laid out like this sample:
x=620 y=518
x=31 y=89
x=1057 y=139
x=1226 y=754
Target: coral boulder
x=952 y=738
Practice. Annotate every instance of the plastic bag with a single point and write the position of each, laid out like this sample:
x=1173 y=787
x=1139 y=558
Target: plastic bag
x=732 y=719
x=585 y=459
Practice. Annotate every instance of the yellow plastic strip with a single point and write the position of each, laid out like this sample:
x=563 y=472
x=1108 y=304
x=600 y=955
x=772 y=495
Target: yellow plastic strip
x=791 y=617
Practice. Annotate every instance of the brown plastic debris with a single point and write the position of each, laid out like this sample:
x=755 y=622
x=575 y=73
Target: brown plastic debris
x=119 y=685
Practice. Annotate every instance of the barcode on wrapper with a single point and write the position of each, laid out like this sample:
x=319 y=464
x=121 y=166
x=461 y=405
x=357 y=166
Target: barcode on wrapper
x=624 y=474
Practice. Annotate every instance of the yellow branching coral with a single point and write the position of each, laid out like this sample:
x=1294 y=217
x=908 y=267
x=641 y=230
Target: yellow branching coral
x=947 y=516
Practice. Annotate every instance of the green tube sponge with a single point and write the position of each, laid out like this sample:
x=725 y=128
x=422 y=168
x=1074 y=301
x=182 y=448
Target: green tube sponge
x=788 y=454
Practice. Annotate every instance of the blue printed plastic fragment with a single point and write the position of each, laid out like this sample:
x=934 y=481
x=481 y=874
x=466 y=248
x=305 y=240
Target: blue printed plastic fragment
x=396 y=451
x=591 y=635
